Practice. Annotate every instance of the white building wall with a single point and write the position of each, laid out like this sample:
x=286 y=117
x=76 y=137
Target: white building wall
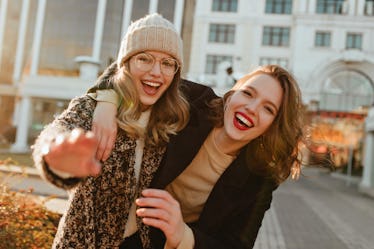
x=48 y=71
x=306 y=61
x=309 y=61
x=312 y=66
x=246 y=50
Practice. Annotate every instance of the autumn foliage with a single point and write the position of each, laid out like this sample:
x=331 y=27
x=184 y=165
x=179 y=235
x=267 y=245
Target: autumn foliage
x=24 y=221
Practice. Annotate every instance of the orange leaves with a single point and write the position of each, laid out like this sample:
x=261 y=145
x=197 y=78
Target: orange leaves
x=24 y=222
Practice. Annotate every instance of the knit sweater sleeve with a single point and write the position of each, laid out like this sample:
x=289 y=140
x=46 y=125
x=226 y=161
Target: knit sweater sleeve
x=77 y=115
x=108 y=95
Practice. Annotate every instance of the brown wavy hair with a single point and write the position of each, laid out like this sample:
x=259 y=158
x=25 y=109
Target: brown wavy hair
x=276 y=152
x=169 y=115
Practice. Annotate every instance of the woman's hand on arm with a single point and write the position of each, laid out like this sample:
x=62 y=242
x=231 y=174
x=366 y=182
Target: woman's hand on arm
x=104 y=126
x=159 y=209
x=73 y=154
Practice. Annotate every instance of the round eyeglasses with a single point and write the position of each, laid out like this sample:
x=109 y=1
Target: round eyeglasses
x=145 y=63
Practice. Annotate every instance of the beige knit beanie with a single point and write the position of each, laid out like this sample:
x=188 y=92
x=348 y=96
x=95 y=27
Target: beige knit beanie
x=152 y=32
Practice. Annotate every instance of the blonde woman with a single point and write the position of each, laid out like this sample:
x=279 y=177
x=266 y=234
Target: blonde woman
x=146 y=76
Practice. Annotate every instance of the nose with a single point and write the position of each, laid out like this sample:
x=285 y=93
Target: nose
x=253 y=106
x=156 y=69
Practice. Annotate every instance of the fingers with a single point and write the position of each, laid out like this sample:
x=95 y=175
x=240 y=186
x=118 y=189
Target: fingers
x=106 y=144
x=110 y=144
x=106 y=139
x=158 y=204
x=157 y=193
x=157 y=213
x=156 y=199
x=158 y=223
x=74 y=153
x=104 y=126
x=75 y=137
x=101 y=148
x=159 y=209
x=98 y=133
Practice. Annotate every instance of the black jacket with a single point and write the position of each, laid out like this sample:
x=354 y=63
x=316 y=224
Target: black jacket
x=236 y=206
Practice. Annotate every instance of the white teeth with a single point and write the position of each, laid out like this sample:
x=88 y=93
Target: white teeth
x=153 y=84
x=244 y=120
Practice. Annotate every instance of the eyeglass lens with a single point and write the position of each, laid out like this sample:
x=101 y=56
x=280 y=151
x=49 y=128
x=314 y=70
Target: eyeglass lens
x=145 y=62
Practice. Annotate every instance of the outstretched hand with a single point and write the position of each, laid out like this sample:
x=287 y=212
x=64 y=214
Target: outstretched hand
x=74 y=154
x=104 y=126
x=159 y=209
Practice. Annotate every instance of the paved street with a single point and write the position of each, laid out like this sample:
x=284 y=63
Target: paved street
x=316 y=212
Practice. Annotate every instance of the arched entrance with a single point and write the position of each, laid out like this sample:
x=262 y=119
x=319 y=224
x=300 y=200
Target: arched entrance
x=347 y=91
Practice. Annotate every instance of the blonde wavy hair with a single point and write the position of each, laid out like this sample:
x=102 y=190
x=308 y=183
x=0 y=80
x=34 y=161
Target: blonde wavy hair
x=169 y=115
x=276 y=152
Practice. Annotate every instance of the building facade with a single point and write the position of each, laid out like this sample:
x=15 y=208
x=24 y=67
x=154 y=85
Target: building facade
x=327 y=44
x=52 y=51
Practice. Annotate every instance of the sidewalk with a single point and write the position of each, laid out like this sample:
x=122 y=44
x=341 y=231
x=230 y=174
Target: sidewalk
x=26 y=178
x=318 y=211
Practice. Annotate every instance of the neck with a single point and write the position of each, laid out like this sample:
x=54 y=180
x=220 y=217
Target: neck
x=145 y=107
x=226 y=144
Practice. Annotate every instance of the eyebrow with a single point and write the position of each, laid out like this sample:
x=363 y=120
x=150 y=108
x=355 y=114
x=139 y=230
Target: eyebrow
x=267 y=101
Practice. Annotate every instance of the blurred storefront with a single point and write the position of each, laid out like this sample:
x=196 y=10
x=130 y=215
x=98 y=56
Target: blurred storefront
x=337 y=138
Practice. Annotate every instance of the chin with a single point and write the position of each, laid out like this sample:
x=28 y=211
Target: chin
x=148 y=102
x=234 y=135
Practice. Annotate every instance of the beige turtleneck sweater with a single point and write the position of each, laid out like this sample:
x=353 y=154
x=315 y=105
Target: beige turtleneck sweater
x=192 y=188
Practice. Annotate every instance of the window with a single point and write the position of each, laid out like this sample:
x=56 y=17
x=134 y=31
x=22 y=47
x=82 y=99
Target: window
x=224 y=33
x=276 y=36
x=354 y=41
x=347 y=90
x=212 y=62
x=43 y=112
x=323 y=39
x=283 y=62
x=278 y=6
x=225 y=5
x=330 y=6
x=369 y=7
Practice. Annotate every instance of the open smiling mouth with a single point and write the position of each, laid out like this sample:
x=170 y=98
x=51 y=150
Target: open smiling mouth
x=244 y=122
x=150 y=87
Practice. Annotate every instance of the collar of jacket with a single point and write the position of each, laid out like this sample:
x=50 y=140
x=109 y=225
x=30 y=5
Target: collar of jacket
x=182 y=148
